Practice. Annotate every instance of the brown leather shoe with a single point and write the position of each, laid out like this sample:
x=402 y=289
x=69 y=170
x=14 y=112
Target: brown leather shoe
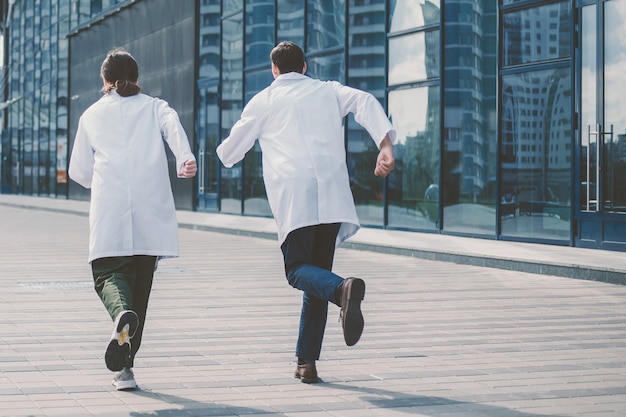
x=307 y=373
x=351 y=317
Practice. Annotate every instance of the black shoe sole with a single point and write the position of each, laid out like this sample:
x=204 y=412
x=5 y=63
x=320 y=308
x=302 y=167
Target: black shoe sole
x=117 y=355
x=353 y=322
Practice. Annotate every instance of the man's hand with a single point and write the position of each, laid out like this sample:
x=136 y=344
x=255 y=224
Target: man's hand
x=385 y=161
x=189 y=169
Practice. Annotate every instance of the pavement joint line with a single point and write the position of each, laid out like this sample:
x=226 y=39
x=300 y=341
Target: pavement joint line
x=48 y=209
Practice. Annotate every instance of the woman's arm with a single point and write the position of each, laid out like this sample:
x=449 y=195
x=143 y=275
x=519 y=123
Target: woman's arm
x=385 y=161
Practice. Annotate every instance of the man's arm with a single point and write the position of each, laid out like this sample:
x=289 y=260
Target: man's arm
x=367 y=112
x=241 y=139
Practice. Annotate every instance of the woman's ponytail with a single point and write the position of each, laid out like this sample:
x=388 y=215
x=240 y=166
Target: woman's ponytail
x=120 y=71
x=126 y=88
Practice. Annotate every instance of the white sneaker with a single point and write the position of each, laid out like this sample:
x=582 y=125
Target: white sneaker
x=124 y=380
x=117 y=355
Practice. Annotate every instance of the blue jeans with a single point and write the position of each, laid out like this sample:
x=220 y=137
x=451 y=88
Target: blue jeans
x=308 y=253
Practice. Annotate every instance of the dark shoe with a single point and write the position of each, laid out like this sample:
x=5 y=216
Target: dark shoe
x=117 y=356
x=351 y=317
x=307 y=373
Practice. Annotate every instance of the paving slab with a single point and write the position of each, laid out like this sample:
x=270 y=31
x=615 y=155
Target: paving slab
x=441 y=338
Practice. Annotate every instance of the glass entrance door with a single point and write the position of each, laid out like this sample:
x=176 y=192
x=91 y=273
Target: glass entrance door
x=602 y=134
x=207 y=136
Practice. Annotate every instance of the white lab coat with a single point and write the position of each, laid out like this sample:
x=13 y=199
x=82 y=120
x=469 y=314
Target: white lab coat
x=119 y=153
x=297 y=121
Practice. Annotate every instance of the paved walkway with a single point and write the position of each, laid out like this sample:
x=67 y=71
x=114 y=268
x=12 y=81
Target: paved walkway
x=442 y=339
x=578 y=263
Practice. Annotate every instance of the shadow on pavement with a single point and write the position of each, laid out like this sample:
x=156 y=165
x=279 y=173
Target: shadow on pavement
x=421 y=404
x=191 y=408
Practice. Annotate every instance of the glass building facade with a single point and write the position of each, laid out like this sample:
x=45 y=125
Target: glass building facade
x=35 y=87
x=510 y=120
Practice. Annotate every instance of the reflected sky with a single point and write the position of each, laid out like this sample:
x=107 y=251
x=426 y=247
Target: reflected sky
x=407 y=58
x=615 y=61
x=407 y=14
x=407 y=110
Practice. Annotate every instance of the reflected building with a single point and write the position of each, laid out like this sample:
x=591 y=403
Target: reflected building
x=366 y=71
x=207 y=101
x=536 y=122
x=621 y=148
x=290 y=21
x=34 y=140
x=470 y=115
x=325 y=25
x=209 y=39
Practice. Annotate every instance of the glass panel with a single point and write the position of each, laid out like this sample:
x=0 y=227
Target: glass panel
x=207 y=140
x=536 y=154
x=414 y=57
x=231 y=106
x=327 y=67
x=5 y=162
x=44 y=150
x=367 y=72
x=470 y=133
x=259 y=31
x=96 y=7
x=64 y=16
x=16 y=163
x=291 y=21
x=536 y=34
x=83 y=9
x=62 y=150
x=62 y=111
x=257 y=81
x=409 y=14
x=232 y=6
x=254 y=196
x=326 y=24
x=614 y=186
x=413 y=187
x=209 y=40
x=588 y=103
x=367 y=189
x=27 y=157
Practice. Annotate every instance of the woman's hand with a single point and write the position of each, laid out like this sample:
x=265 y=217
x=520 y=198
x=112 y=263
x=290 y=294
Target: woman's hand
x=189 y=169
x=385 y=161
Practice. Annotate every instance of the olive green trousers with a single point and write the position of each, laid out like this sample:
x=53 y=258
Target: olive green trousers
x=124 y=283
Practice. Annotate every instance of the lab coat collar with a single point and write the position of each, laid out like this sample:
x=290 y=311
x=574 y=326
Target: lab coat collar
x=290 y=76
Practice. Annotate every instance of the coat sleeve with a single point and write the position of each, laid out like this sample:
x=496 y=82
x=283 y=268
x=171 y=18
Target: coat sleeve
x=367 y=112
x=241 y=139
x=174 y=134
x=82 y=158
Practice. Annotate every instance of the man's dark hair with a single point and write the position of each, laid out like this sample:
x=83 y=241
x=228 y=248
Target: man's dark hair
x=288 y=57
x=121 y=71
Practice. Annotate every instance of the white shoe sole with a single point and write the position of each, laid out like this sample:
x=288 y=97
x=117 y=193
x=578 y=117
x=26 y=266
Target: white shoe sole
x=125 y=385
